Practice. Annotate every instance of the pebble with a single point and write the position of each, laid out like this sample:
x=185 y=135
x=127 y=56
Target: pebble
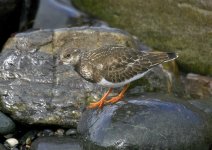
x=70 y=132
x=60 y=132
x=11 y=142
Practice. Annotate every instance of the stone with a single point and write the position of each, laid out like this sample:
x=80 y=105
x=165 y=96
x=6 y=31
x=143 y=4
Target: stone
x=11 y=142
x=146 y=123
x=71 y=132
x=2 y=147
x=56 y=143
x=63 y=12
x=182 y=26
x=6 y=124
x=36 y=89
x=198 y=86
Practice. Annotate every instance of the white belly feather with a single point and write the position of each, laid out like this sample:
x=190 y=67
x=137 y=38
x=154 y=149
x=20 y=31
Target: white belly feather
x=106 y=83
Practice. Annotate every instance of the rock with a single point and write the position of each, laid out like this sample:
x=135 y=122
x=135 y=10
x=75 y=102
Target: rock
x=6 y=124
x=2 y=147
x=205 y=106
x=60 y=132
x=36 y=89
x=12 y=142
x=63 y=12
x=71 y=132
x=28 y=137
x=183 y=26
x=146 y=123
x=157 y=80
x=56 y=143
x=198 y=86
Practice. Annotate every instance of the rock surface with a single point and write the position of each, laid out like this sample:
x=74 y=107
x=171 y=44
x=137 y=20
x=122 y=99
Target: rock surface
x=2 y=147
x=36 y=89
x=198 y=86
x=183 y=26
x=6 y=124
x=56 y=143
x=145 y=123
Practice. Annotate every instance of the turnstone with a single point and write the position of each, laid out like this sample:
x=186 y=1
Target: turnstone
x=113 y=66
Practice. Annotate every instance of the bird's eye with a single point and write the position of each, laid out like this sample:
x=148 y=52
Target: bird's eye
x=67 y=55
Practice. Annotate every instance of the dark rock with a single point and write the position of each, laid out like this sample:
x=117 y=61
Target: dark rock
x=35 y=89
x=46 y=132
x=28 y=137
x=6 y=124
x=145 y=123
x=2 y=147
x=56 y=143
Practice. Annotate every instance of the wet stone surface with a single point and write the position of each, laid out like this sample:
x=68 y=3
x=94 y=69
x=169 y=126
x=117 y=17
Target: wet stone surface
x=2 y=147
x=35 y=88
x=56 y=143
x=145 y=123
x=6 y=124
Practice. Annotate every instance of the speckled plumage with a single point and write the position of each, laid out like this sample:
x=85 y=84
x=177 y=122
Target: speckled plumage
x=115 y=64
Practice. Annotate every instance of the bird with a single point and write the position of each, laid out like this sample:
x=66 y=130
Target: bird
x=113 y=66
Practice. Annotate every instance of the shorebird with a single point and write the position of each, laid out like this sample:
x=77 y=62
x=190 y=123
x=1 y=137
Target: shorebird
x=113 y=66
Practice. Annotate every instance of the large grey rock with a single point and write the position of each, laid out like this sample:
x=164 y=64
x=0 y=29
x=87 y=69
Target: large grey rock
x=6 y=124
x=146 y=123
x=35 y=89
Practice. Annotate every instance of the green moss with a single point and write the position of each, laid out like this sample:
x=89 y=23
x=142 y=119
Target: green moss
x=183 y=26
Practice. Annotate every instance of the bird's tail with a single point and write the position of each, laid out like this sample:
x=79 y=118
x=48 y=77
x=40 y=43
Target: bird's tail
x=160 y=57
x=171 y=55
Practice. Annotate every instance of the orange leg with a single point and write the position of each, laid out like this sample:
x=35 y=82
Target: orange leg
x=119 y=97
x=101 y=102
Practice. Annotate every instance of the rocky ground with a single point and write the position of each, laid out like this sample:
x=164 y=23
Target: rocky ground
x=43 y=103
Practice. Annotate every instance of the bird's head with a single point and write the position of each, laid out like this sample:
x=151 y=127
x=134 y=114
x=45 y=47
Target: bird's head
x=70 y=56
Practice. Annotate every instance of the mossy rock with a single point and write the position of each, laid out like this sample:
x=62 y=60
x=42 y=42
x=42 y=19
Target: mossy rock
x=183 y=26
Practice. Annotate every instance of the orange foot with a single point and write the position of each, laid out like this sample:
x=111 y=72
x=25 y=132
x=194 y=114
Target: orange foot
x=119 y=97
x=101 y=102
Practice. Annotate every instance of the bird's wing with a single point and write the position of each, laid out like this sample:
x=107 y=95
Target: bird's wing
x=124 y=65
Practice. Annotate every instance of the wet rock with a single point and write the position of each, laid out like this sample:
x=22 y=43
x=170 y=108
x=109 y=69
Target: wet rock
x=145 y=123
x=198 y=86
x=56 y=143
x=181 y=25
x=27 y=138
x=205 y=106
x=36 y=89
x=6 y=124
x=2 y=147
x=62 y=12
